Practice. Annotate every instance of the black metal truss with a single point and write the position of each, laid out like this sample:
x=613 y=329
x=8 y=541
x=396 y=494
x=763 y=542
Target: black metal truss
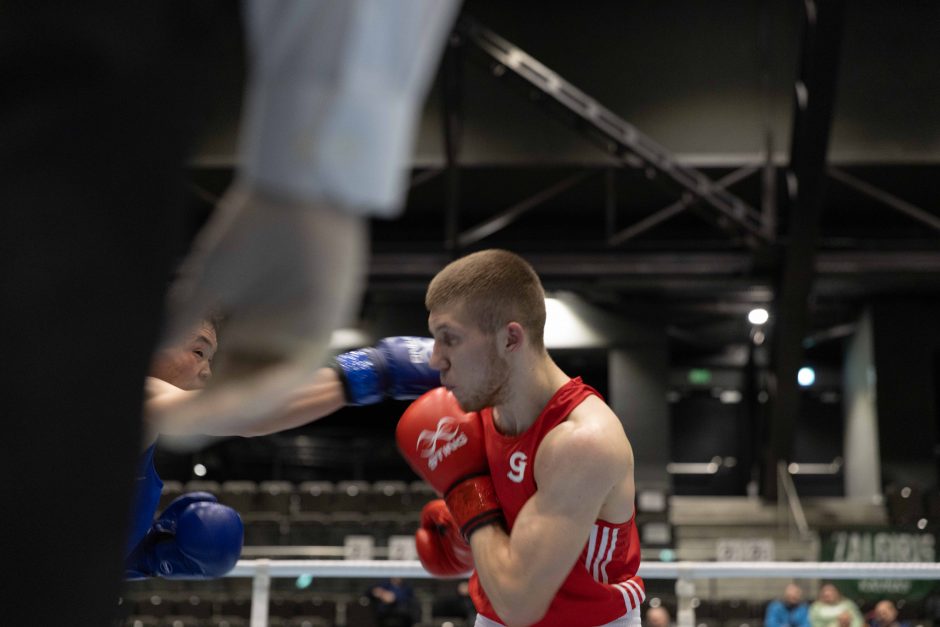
x=886 y=198
x=511 y=214
x=675 y=208
x=620 y=139
x=388 y=267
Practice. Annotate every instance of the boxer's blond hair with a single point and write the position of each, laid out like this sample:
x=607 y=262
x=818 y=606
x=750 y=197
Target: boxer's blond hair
x=494 y=287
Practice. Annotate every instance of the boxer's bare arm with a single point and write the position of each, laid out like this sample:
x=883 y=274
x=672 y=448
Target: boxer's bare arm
x=160 y=394
x=577 y=468
x=321 y=397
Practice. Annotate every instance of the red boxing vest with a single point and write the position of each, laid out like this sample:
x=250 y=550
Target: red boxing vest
x=602 y=585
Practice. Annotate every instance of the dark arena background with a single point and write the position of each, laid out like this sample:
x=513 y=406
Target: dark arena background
x=734 y=208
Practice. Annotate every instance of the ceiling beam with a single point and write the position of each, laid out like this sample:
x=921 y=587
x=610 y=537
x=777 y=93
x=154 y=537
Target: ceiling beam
x=814 y=99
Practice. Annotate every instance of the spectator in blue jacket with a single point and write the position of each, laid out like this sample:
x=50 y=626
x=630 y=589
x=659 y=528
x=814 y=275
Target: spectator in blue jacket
x=791 y=611
x=394 y=603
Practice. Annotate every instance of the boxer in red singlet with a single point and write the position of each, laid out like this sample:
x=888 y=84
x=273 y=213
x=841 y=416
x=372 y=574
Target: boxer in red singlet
x=566 y=552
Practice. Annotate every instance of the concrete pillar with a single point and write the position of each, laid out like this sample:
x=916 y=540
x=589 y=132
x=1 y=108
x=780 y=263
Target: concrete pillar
x=637 y=393
x=861 y=449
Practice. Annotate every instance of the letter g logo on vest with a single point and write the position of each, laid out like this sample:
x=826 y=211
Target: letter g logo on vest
x=517 y=462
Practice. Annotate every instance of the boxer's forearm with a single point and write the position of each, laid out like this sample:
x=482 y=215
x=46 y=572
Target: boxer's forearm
x=522 y=571
x=323 y=396
x=312 y=402
x=516 y=596
x=160 y=396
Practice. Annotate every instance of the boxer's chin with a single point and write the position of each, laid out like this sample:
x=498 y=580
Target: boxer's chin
x=491 y=392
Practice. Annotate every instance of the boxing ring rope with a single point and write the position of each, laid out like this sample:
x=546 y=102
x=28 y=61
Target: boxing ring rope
x=263 y=570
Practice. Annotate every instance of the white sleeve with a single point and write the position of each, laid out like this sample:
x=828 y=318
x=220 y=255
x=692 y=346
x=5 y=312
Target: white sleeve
x=334 y=94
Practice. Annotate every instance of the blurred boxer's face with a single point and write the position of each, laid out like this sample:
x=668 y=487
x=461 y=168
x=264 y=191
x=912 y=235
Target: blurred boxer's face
x=467 y=358
x=187 y=365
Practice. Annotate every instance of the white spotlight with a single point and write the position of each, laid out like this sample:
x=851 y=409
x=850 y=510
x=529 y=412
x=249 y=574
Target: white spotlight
x=199 y=470
x=758 y=316
x=806 y=376
x=565 y=327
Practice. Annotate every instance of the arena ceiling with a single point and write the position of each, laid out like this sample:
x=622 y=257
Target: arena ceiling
x=638 y=154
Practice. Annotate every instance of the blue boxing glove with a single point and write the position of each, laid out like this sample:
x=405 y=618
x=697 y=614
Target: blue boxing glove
x=397 y=367
x=195 y=537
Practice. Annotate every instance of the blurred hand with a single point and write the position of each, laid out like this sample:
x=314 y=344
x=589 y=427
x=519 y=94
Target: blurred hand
x=284 y=274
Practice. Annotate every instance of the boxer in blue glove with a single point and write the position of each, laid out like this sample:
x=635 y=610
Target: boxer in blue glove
x=197 y=537
x=396 y=368
x=194 y=538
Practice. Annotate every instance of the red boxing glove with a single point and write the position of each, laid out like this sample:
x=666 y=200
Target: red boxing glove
x=444 y=445
x=441 y=548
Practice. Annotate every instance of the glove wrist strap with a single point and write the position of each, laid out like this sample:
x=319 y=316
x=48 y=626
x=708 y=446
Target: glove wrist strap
x=473 y=504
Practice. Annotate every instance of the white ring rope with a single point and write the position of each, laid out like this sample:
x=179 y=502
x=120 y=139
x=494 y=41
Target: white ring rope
x=263 y=570
x=650 y=570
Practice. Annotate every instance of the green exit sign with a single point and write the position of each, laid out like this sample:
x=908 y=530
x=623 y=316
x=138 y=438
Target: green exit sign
x=700 y=376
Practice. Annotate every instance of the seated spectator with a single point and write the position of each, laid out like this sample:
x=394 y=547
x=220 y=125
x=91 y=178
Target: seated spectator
x=456 y=605
x=885 y=614
x=832 y=610
x=658 y=617
x=394 y=603
x=790 y=611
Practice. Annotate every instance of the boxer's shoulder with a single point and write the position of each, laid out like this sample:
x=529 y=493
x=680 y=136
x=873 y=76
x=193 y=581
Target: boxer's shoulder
x=592 y=424
x=590 y=442
x=154 y=387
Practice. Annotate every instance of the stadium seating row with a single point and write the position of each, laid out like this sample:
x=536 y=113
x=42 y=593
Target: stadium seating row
x=284 y=497
x=325 y=529
x=284 y=610
x=205 y=606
